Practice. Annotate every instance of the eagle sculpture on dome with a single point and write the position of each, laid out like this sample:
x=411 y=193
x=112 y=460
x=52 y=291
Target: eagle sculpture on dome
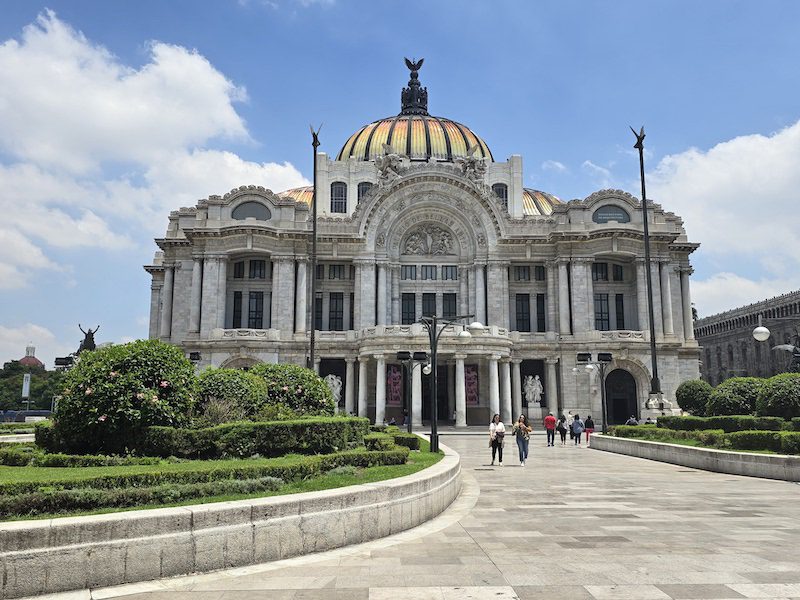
x=414 y=65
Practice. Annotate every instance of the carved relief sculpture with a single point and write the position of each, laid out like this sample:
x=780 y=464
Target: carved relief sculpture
x=388 y=166
x=335 y=384
x=533 y=390
x=429 y=240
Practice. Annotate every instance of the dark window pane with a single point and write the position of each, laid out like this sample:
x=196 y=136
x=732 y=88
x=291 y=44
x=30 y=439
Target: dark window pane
x=335 y=271
x=501 y=191
x=620 y=310
x=320 y=271
x=409 y=309
x=450 y=273
x=318 y=312
x=522 y=273
x=258 y=269
x=523 y=312
x=408 y=272
x=541 y=313
x=600 y=271
x=428 y=272
x=238 y=270
x=363 y=188
x=237 y=307
x=619 y=273
x=336 y=312
x=428 y=305
x=601 y=316
x=352 y=310
x=255 y=315
x=449 y=306
x=539 y=272
x=338 y=197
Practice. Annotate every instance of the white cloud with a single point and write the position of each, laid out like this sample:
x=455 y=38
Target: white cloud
x=13 y=341
x=554 y=165
x=601 y=176
x=724 y=291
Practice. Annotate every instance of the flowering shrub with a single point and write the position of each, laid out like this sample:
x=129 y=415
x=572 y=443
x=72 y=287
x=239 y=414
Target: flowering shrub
x=113 y=393
x=299 y=389
x=780 y=396
x=734 y=396
x=229 y=395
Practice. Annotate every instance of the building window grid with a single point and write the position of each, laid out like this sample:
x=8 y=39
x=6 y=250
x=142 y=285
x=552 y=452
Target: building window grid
x=338 y=197
x=238 y=270
x=523 y=306
x=501 y=191
x=541 y=314
x=335 y=271
x=428 y=272
x=408 y=272
x=522 y=273
x=408 y=308
x=363 y=189
x=336 y=311
x=428 y=304
x=352 y=310
x=449 y=304
x=449 y=273
x=539 y=273
x=599 y=271
x=255 y=314
x=601 y=313
x=320 y=271
x=237 y=308
x=318 y=312
x=619 y=302
x=618 y=272
x=258 y=269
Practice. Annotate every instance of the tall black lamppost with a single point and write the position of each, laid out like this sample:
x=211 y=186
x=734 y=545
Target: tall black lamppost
x=762 y=334
x=431 y=324
x=408 y=360
x=655 y=382
x=314 y=145
x=603 y=360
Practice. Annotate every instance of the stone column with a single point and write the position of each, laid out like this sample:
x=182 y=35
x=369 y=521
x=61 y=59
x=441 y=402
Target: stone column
x=208 y=313
x=301 y=295
x=590 y=296
x=578 y=287
x=463 y=292
x=350 y=385
x=550 y=299
x=395 y=270
x=222 y=291
x=641 y=296
x=516 y=387
x=380 y=389
x=666 y=299
x=563 y=299
x=416 y=395
x=686 y=302
x=356 y=297
x=461 y=392
x=283 y=293
x=197 y=294
x=480 y=295
x=497 y=300
x=655 y=279
x=505 y=373
x=166 y=302
x=362 y=386
x=366 y=294
x=551 y=387
x=382 y=294
x=275 y=293
x=494 y=386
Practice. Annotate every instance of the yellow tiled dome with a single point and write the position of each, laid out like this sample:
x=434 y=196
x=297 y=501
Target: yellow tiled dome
x=302 y=194
x=535 y=203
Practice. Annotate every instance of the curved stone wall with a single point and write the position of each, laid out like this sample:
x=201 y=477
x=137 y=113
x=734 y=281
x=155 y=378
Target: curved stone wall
x=70 y=553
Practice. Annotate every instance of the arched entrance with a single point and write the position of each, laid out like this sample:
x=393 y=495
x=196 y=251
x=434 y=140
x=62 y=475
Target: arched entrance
x=621 y=396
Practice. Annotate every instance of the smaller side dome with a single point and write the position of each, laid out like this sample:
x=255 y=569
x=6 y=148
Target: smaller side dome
x=536 y=203
x=303 y=194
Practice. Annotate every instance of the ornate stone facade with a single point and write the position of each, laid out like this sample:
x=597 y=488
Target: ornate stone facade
x=402 y=238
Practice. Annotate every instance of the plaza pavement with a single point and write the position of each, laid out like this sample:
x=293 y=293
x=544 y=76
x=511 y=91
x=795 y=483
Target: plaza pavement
x=573 y=524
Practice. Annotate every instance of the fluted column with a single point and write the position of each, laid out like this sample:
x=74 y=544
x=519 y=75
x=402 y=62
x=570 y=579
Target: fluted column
x=686 y=302
x=356 y=297
x=497 y=300
x=222 y=291
x=416 y=395
x=589 y=296
x=350 y=385
x=480 y=295
x=563 y=299
x=580 y=299
x=551 y=386
x=166 y=302
x=395 y=270
x=365 y=293
x=283 y=293
x=461 y=392
x=208 y=313
x=463 y=293
x=494 y=386
x=382 y=294
x=505 y=373
x=362 y=386
x=655 y=280
x=641 y=296
x=552 y=273
x=666 y=299
x=380 y=389
x=197 y=294
x=516 y=386
x=301 y=295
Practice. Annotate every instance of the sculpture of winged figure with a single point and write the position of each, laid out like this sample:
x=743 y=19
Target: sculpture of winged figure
x=414 y=65
x=388 y=165
x=472 y=167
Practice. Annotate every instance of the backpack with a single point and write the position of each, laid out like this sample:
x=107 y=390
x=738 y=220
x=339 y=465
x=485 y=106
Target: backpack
x=577 y=426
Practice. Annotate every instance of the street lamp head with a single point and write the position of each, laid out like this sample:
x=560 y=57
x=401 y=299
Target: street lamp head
x=464 y=334
x=427 y=369
x=761 y=333
x=590 y=368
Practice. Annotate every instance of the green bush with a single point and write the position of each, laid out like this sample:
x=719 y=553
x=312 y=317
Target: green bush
x=297 y=388
x=755 y=440
x=790 y=442
x=708 y=437
x=243 y=392
x=692 y=396
x=379 y=441
x=318 y=435
x=780 y=396
x=726 y=423
x=379 y=428
x=409 y=440
x=21 y=455
x=13 y=427
x=112 y=394
x=734 y=396
x=793 y=425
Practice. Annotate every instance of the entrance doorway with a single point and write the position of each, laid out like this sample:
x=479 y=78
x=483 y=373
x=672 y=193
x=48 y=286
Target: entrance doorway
x=442 y=399
x=621 y=396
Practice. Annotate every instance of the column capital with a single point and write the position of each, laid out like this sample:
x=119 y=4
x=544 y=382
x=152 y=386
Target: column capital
x=460 y=356
x=350 y=360
x=379 y=356
x=551 y=361
x=363 y=358
x=505 y=360
x=281 y=258
x=494 y=357
x=687 y=270
x=516 y=361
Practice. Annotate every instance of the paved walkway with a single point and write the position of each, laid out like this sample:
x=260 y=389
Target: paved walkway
x=572 y=524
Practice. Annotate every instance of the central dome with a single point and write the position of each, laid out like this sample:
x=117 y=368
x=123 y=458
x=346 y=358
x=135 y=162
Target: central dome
x=414 y=132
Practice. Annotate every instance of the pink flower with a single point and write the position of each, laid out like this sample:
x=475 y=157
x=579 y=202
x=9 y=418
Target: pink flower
x=164 y=384
x=113 y=374
x=140 y=395
x=88 y=391
x=286 y=388
x=102 y=418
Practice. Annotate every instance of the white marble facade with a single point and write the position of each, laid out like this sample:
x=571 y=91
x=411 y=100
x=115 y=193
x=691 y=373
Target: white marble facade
x=231 y=285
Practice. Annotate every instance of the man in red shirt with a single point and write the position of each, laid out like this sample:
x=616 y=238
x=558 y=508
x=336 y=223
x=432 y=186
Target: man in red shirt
x=550 y=427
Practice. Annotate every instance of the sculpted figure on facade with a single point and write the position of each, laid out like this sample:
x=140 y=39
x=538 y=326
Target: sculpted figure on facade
x=442 y=242
x=533 y=390
x=335 y=384
x=388 y=166
x=429 y=240
x=415 y=244
x=471 y=167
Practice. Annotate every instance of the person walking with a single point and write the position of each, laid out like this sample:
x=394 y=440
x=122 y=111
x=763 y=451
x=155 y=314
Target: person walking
x=577 y=429
x=522 y=431
x=561 y=427
x=632 y=421
x=497 y=431
x=550 y=428
x=589 y=428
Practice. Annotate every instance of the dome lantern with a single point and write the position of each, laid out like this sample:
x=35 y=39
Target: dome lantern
x=414 y=99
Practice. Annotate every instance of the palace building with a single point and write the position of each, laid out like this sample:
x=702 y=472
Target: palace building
x=416 y=216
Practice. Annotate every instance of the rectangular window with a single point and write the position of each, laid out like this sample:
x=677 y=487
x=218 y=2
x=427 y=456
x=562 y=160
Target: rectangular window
x=600 y=271
x=258 y=269
x=255 y=313
x=336 y=312
x=409 y=308
x=522 y=273
x=238 y=270
x=601 y=316
x=428 y=272
x=338 y=197
x=352 y=310
x=335 y=271
x=320 y=271
x=541 y=314
x=428 y=305
x=539 y=273
x=618 y=272
x=449 y=306
x=318 y=312
x=408 y=272
x=450 y=273
x=620 y=311
x=523 y=312
x=237 y=307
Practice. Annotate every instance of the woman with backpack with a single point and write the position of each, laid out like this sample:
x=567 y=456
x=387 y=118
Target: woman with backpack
x=497 y=431
x=561 y=428
x=589 y=428
x=522 y=431
x=577 y=429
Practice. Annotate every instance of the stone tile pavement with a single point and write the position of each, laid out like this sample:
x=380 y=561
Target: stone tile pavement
x=574 y=524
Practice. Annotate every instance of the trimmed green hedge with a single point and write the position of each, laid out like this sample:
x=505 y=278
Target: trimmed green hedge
x=693 y=395
x=709 y=437
x=785 y=442
x=12 y=427
x=318 y=435
x=378 y=441
x=726 y=423
x=25 y=455
x=409 y=440
x=755 y=440
x=780 y=396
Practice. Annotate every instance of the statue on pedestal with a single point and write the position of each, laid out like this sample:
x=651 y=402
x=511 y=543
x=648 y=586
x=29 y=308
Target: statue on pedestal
x=533 y=390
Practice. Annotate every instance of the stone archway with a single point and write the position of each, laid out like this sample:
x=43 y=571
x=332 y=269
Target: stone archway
x=240 y=362
x=621 y=396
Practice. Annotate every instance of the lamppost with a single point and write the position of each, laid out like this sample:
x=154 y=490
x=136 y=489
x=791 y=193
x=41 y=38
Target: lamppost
x=761 y=334
x=314 y=144
x=431 y=324
x=408 y=360
x=603 y=360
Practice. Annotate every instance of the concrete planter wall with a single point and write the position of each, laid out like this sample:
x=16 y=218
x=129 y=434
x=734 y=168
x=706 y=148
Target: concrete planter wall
x=72 y=553
x=770 y=466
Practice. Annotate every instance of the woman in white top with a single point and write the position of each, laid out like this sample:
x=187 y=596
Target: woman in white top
x=497 y=433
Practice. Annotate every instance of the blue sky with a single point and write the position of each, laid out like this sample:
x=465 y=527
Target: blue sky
x=114 y=113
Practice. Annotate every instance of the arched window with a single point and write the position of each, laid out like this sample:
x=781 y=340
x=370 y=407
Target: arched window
x=338 y=197
x=251 y=210
x=608 y=213
x=501 y=191
x=363 y=189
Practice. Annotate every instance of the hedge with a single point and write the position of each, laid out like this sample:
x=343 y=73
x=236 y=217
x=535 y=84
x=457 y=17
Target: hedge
x=692 y=395
x=11 y=427
x=726 y=423
x=710 y=437
x=409 y=440
x=318 y=435
x=299 y=468
x=755 y=440
x=23 y=455
x=780 y=396
x=378 y=441
x=785 y=442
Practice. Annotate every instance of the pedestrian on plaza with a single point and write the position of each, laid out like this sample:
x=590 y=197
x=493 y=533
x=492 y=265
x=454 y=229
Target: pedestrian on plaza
x=632 y=421
x=522 y=431
x=589 y=428
x=577 y=429
x=550 y=428
x=561 y=427
x=570 y=419
x=497 y=431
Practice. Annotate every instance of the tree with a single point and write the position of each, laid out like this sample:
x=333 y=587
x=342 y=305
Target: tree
x=44 y=385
